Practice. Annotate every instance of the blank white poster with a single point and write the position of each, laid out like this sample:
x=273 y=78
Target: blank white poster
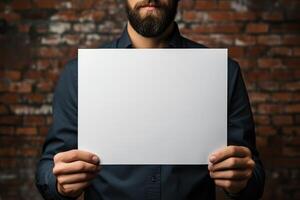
x=152 y=106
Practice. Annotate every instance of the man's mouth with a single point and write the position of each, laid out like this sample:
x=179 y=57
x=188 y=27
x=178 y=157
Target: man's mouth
x=149 y=6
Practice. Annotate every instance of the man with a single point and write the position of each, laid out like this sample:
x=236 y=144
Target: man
x=66 y=173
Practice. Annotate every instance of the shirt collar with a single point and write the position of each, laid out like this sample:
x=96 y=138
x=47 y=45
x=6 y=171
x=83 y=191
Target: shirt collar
x=175 y=39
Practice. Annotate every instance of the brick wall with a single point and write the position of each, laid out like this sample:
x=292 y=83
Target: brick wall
x=38 y=36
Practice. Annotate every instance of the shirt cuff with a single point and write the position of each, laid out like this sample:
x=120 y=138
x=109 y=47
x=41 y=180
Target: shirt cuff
x=53 y=189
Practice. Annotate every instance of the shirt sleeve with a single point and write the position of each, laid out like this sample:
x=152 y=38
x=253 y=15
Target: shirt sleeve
x=62 y=135
x=241 y=130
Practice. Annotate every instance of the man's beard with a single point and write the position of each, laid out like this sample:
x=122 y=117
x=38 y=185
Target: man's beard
x=152 y=25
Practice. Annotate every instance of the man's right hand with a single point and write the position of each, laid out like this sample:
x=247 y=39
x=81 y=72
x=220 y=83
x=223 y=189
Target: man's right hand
x=74 y=170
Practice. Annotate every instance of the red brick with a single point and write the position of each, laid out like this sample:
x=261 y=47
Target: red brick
x=292 y=108
x=10 y=120
x=43 y=130
x=33 y=74
x=21 y=87
x=7 y=130
x=45 y=86
x=65 y=15
x=245 y=16
x=220 y=16
x=37 y=120
x=268 y=86
x=281 y=51
x=257 y=28
x=257 y=97
x=3 y=109
x=26 y=131
x=245 y=40
x=46 y=4
x=273 y=16
x=265 y=130
x=50 y=52
x=270 y=108
x=224 y=5
x=262 y=119
x=93 y=16
x=205 y=5
x=292 y=62
x=192 y=16
x=9 y=98
x=282 y=97
x=261 y=141
x=269 y=40
x=291 y=151
x=33 y=98
x=255 y=51
x=282 y=120
x=287 y=28
x=296 y=51
x=220 y=28
x=187 y=4
x=294 y=130
x=291 y=40
x=10 y=17
x=269 y=63
x=236 y=52
x=11 y=75
x=21 y=4
x=247 y=63
x=292 y=86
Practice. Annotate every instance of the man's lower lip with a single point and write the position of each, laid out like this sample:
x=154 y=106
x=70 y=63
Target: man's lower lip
x=149 y=7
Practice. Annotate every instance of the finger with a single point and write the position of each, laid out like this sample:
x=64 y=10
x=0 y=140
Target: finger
x=231 y=174
x=75 y=155
x=233 y=163
x=232 y=186
x=75 y=178
x=74 y=189
x=75 y=167
x=230 y=151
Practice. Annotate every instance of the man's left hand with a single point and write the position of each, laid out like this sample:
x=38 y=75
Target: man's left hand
x=231 y=168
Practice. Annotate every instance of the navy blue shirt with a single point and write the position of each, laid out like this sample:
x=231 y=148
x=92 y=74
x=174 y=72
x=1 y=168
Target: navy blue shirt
x=147 y=182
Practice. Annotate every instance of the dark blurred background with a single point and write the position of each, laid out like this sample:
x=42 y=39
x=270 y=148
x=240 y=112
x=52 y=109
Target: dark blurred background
x=37 y=37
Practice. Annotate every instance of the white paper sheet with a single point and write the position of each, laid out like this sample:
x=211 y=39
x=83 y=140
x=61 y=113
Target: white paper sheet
x=152 y=106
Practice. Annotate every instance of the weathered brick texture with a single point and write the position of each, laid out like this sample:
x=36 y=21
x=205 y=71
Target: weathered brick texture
x=37 y=37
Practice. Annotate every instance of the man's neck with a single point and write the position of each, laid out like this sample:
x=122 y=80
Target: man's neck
x=139 y=41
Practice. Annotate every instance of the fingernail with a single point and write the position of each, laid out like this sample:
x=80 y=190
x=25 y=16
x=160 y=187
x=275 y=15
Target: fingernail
x=95 y=158
x=212 y=159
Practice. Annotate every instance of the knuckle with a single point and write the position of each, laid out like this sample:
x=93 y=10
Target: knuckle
x=56 y=157
x=251 y=163
x=72 y=155
x=232 y=174
x=64 y=188
x=232 y=150
x=235 y=150
x=84 y=176
x=69 y=190
x=228 y=184
x=94 y=168
x=233 y=162
x=55 y=170
x=60 y=180
x=249 y=174
x=248 y=151
x=81 y=167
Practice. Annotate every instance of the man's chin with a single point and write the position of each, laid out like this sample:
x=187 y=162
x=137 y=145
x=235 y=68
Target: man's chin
x=145 y=13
